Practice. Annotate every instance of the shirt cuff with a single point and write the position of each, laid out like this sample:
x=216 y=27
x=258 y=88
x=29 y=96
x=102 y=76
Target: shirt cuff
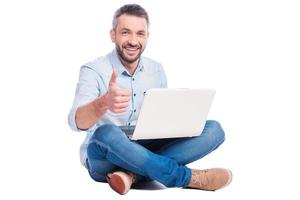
x=72 y=121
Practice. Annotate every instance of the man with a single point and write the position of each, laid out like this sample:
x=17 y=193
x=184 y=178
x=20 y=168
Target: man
x=109 y=94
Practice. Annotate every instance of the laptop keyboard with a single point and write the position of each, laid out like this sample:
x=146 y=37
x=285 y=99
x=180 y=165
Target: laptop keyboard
x=128 y=130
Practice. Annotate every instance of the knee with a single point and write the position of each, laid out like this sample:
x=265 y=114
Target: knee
x=107 y=133
x=216 y=131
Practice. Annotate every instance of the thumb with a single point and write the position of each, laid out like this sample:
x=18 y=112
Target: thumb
x=113 y=79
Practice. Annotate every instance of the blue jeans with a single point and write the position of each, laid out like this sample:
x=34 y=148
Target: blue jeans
x=163 y=160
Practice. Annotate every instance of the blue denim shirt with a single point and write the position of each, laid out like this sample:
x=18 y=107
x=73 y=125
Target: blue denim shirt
x=93 y=82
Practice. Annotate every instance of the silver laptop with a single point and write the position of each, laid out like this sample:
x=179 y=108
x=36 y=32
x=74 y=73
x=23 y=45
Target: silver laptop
x=171 y=113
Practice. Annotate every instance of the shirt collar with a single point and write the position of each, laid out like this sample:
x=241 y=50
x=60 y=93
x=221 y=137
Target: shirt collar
x=115 y=60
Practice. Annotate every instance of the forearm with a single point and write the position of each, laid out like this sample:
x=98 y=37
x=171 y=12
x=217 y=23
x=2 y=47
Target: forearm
x=89 y=114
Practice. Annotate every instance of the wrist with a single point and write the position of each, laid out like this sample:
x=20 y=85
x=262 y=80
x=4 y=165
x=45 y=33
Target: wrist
x=101 y=103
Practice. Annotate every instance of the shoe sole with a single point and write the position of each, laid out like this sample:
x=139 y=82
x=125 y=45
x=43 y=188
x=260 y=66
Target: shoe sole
x=116 y=183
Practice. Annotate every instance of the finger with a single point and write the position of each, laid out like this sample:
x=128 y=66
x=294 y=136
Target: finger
x=113 y=78
x=121 y=92
x=120 y=110
x=122 y=99
x=121 y=105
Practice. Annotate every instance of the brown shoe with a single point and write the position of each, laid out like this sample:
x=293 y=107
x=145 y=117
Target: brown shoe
x=120 y=181
x=210 y=179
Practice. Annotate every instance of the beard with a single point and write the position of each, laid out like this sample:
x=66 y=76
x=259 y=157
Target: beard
x=124 y=57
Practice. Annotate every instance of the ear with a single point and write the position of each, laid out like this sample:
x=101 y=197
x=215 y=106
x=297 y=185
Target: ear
x=112 y=35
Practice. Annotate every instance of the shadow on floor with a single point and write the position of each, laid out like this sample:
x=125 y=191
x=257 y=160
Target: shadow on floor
x=152 y=185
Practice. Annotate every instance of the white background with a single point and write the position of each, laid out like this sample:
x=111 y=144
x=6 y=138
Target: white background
x=248 y=50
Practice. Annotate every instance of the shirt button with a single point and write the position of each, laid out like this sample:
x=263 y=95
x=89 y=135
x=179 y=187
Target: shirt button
x=129 y=124
x=134 y=110
x=134 y=94
x=132 y=79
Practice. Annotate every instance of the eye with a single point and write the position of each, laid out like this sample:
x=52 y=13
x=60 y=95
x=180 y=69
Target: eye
x=141 y=34
x=124 y=33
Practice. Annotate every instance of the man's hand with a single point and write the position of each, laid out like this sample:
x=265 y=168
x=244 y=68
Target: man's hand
x=116 y=99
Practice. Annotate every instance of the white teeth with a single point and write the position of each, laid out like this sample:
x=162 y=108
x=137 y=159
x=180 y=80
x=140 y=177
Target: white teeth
x=132 y=49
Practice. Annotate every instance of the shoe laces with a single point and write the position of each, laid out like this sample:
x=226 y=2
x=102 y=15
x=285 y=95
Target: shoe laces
x=201 y=177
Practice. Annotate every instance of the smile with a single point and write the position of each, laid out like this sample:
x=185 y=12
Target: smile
x=132 y=48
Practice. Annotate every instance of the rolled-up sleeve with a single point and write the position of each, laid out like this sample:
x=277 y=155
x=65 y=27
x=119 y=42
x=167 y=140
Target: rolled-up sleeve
x=87 y=90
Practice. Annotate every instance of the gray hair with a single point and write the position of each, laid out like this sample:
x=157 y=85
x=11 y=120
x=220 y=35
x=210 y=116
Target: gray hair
x=130 y=9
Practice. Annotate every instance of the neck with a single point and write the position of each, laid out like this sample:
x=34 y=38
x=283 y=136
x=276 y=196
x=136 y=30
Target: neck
x=131 y=67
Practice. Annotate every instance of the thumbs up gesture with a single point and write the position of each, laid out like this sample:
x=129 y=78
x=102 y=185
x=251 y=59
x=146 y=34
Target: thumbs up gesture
x=117 y=100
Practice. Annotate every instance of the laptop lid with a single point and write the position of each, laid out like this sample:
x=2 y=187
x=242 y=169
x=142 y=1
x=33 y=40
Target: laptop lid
x=171 y=113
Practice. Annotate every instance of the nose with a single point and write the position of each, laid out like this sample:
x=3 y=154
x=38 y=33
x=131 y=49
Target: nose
x=133 y=40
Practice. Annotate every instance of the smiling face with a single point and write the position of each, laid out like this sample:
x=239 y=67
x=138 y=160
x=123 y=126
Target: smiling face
x=130 y=37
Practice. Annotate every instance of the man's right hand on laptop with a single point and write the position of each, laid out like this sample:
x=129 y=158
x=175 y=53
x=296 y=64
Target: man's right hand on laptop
x=116 y=99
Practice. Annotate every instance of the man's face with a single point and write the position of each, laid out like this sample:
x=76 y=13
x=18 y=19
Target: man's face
x=130 y=37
